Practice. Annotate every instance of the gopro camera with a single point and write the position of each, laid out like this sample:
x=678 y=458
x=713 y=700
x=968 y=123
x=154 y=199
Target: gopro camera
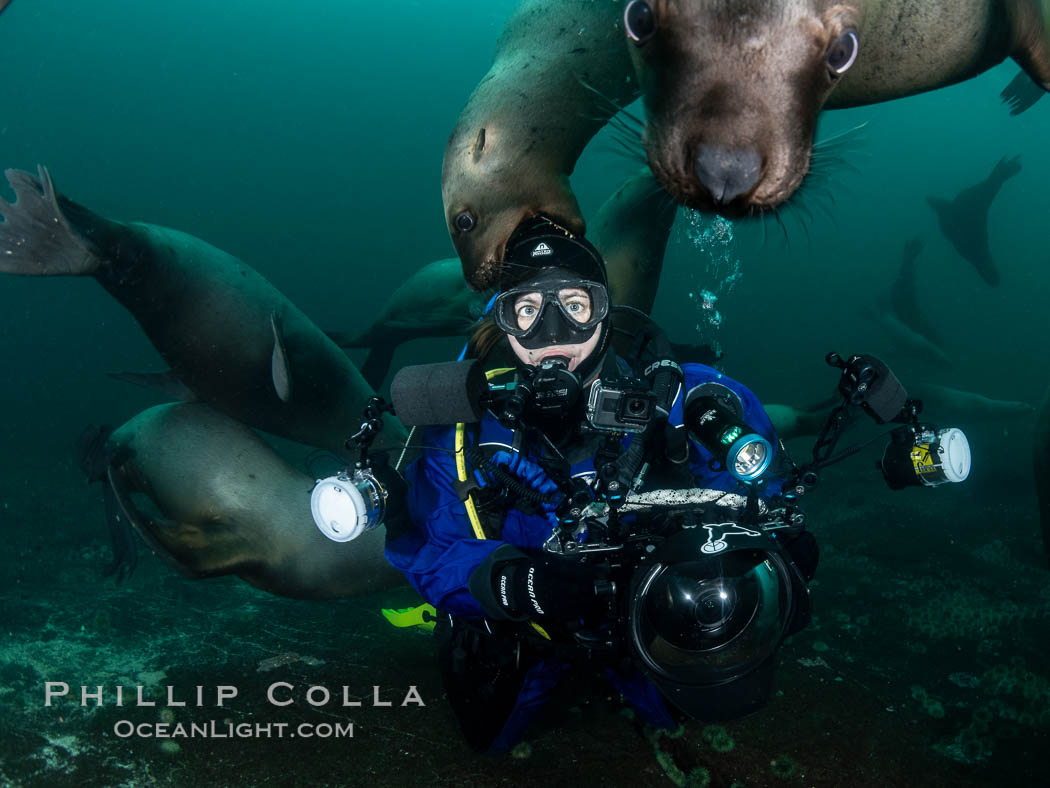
x=620 y=405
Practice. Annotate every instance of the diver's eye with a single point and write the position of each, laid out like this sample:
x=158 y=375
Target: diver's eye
x=465 y=222
x=639 y=21
x=842 y=53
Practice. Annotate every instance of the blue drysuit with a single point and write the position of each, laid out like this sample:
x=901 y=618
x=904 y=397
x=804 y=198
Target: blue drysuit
x=439 y=552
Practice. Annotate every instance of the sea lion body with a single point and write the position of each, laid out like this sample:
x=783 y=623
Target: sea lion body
x=434 y=301
x=732 y=91
x=229 y=336
x=516 y=142
x=946 y=404
x=230 y=505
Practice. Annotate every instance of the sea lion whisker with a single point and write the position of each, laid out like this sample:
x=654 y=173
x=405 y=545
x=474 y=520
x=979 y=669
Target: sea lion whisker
x=624 y=132
x=783 y=227
x=620 y=114
x=848 y=135
x=623 y=149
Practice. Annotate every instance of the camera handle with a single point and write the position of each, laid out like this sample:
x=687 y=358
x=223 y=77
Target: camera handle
x=370 y=428
x=854 y=386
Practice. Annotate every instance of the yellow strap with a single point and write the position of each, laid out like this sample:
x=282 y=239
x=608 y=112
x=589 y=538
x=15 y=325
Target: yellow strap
x=461 y=472
x=461 y=463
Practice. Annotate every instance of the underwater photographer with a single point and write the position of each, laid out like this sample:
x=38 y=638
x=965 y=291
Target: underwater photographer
x=594 y=521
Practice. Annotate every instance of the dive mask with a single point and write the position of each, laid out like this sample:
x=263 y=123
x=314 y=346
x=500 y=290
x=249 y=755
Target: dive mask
x=552 y=311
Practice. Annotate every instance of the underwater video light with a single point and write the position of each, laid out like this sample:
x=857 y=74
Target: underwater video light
x=348 y=504
x=713 y=416
x=922 y=455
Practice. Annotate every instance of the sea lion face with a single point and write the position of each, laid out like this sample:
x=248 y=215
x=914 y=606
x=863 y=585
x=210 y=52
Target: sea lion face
x=489 y=188
x=732 y=90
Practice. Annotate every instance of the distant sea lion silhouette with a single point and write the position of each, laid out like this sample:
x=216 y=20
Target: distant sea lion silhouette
x=227 y=505
x=1041 y=466
x=964 y=220
x=900 y=312
x=732 y=91
x=941 y=403
x=230 y=337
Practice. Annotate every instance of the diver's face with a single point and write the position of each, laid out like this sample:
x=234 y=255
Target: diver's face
x=553 y=316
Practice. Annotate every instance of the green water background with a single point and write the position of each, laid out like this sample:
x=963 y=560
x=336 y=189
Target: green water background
x=307 y=140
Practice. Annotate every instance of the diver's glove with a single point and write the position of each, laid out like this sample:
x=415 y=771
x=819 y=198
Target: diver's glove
x=533 y=490
x=542 y=587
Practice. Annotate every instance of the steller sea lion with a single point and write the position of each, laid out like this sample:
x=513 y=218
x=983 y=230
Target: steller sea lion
x=899 y=312
x=230 y=337
x=1041 y=466
x=228 y=505
x=964 y=219
x=516 y=142
x=732 y=91
x=940 y=403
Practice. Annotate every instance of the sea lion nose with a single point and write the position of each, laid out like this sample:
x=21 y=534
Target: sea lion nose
x=727 y=173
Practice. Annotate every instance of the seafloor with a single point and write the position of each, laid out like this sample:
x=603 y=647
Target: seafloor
x=925 y=664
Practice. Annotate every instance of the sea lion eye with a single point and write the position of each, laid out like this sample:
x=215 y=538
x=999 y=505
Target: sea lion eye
x=639 y=21
x=843 y=52
x=465 y=222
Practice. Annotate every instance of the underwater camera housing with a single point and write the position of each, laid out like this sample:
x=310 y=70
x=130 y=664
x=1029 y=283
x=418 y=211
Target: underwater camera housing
x=701 y=591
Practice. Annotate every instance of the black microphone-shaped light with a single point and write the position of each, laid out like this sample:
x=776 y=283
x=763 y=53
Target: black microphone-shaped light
x=714 y=418
x=451 y=392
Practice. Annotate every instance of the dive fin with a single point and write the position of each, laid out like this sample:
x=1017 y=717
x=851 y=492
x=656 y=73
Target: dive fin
x=166 y=382
x=423 y=616
x=279 y=370
x=35 y=238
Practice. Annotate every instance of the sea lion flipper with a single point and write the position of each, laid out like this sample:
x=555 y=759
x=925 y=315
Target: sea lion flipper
x=1021 y=93
x=279 y=369
x=151 y=529
x=121 y=538
x=35 y=238
x=96 y=455
x=377 y=364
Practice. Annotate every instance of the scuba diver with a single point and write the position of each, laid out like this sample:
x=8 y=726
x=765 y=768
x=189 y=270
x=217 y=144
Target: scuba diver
x=518 y=527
